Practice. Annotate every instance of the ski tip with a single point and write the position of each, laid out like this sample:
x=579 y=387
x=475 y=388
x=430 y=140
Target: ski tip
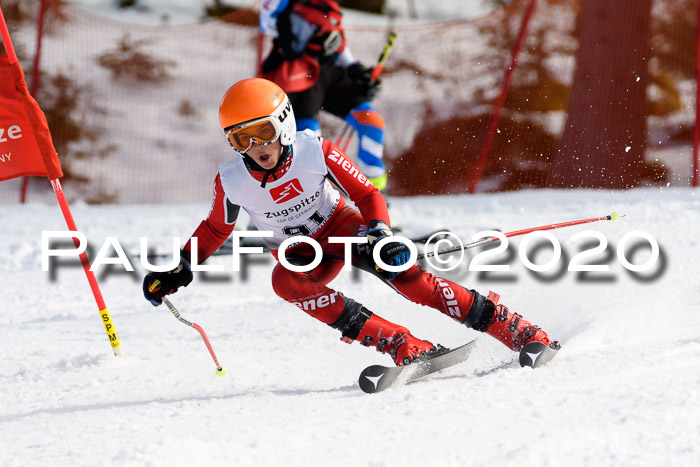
x=372 y=379
x=536 y=354
x=377 y=378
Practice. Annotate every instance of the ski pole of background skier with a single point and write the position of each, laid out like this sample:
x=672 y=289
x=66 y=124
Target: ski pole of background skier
x=220 y=370
x=610 y=217
x=347 y=129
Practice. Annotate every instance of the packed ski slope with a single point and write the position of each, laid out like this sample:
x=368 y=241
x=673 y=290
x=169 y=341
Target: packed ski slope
x=624 y=389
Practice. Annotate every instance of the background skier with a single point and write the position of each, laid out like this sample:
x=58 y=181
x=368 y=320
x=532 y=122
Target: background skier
x=312 y=62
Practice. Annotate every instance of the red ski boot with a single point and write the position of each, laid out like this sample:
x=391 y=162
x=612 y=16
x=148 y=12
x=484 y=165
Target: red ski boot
x=404 y=348
x=390 y=338
x=512 y=329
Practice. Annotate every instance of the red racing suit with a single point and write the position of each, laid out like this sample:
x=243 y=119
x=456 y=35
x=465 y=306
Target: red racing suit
x=304 y=200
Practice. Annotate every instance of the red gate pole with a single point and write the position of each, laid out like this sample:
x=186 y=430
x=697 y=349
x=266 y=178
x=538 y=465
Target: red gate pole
x=92 y=280
x=500 y=102
x=696 y=135
x=261 y=44
x=37 y=56
x=35 y=79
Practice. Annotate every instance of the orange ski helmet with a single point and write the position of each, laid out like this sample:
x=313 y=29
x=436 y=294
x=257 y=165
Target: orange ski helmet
x=256 y=102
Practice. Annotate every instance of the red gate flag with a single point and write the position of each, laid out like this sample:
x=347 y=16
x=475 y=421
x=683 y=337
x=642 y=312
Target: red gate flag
x=26 y=147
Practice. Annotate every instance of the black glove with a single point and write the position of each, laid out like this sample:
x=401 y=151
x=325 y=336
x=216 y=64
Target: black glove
x=392 y=253
x=362 y=77
x=157 y=285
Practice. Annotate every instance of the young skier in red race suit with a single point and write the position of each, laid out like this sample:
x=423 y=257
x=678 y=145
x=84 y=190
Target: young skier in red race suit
x=281 y=171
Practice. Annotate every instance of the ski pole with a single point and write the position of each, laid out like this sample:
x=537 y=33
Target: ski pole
x=220 y=370
x=611 y=217
x=383 y=56
x=347 y=129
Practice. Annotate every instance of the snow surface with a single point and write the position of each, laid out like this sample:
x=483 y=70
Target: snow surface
x=623 y=390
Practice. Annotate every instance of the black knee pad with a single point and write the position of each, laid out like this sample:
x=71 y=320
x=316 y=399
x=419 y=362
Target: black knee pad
x=352 y=320
x=481 y=313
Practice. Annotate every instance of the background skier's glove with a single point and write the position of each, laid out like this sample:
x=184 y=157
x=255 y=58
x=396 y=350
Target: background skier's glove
x=362 y=77
x=392 y=253
x=157 y=285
